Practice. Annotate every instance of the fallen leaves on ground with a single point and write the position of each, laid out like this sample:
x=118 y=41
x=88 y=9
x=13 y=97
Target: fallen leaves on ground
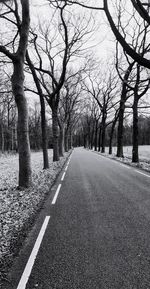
x=18 y=207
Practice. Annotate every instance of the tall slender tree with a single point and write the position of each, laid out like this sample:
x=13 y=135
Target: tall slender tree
x=17 y=58
x=58 y=50
x=43 y=111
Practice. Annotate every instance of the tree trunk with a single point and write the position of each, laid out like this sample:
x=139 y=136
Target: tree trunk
x=92 y=137
x=88 y=138
x=16 y=140
x=96 y=131
x=2 y=138
x=22 y=125
x=71 y=140
x=103 y=140
x=135 y=155
x=110 y=140
x=43 y=118
x=120 y=130
x=99 y=138
x=111 y=135
x=103 y=131
x=61 y=140
x=85 y=141
x=44 y=133
x=121 y=111
x=55 y=133
x=12 y=139
x=66 y=141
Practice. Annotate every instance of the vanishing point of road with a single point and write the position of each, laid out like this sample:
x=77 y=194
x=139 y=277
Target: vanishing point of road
x=93 y=231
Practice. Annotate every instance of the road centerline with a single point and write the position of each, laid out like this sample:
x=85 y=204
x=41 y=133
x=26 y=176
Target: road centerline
x=27 y=271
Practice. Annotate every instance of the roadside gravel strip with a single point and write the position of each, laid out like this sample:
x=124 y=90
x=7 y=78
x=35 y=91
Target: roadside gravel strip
x=18 y=209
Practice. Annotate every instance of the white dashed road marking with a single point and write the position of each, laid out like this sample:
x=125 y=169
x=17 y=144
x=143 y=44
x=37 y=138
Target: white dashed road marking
x=66 y=168
x=27 y=271
x=62 y=178
x=56 y=194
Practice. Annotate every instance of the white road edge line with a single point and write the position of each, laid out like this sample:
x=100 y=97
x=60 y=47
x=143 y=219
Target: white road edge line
x=142 y=173
x=56 y=194
x=27 y=271
x=62 y=178
x=125 y=166
x=66 y=168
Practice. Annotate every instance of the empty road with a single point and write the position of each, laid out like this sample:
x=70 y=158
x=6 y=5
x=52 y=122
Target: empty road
x=97 y=234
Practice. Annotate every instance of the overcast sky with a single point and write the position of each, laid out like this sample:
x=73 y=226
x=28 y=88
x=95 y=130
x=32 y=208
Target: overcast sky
x=103 y=40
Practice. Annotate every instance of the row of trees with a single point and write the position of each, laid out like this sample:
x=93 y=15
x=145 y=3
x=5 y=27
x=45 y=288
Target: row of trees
x=131 y=30
x=83 y=99
x=84 y=137
x=8 y=126
x=87 y=133
x=53 y=44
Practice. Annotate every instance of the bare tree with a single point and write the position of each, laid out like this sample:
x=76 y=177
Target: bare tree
x=84 y=131
x=114 y=121
x=39 y=91
x=141 y=8
x=17 y=58
x=65 y=44
x=69 y=103
x=131 y=81
x=35 y=126
x=140 y=88
x=104 y=91
x=124 y=96
x=130 y=50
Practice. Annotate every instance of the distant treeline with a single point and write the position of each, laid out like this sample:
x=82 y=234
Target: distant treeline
x=87 y=137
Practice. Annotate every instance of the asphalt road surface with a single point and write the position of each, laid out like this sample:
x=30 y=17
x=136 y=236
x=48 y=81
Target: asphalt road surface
x=98 y=233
